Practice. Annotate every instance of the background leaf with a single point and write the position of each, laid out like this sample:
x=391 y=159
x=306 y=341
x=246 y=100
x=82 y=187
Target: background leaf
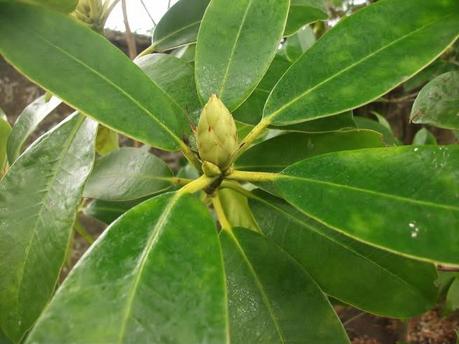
x=355 y=63
x=39 y=199
x=107 y=141
x=127 y=174
x=109 y=211
x=180 y=25
x=438 y=102
x=371 y=279
x=130 y=286
x=5 y=130
x=235 y=47
x=277 y=153
x=424 y=137
x=272 y=299
x=403 y=199
x=116 y=92
x=27 y=122
x=304 y=12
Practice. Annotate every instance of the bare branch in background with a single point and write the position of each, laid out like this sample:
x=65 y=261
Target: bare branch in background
x=148 y=12
x=169 y=4
x=130 y=40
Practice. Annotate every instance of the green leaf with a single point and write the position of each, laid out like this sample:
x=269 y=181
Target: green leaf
x=355 y=63
x=176 y=78
x=109 y=211
x=371 y=279
x=403 y=199
x=185 y=53
x=297 y=44
x=275 y=154
x=237 y=209
x=436 y=68
x=424 y=137
x=376 y=125
x=438 y=102
x=5 y=130
x=272 y=299
x=27 y=122
x=180 y=25
x=341 y=121
x=65 y=6
x=116 y=92
x=127 y=174
x=107 y=141
x=452 y=298
x=251 y=110
x=231 y=35
x=39 y=199
x=304 y=12
x=155 y=276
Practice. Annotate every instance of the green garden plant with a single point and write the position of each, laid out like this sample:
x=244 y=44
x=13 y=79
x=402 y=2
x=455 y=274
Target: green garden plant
x=285 y=204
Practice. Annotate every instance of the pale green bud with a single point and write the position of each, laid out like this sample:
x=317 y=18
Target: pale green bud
x=217 y=134
x=210 y=169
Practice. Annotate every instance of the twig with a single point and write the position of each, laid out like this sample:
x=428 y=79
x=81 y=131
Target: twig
x=169 y=4
x=355 y=317
x=447 y=268
x=148 y=12
x=409 y=97
x=129 y=37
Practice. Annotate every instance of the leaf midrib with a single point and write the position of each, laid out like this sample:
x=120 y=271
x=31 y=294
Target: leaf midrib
x=114 y=85
x=233 y=49
x=259 y=286
x=273 y=115
x=371 y=192
x=138 y=270
x=46 y=191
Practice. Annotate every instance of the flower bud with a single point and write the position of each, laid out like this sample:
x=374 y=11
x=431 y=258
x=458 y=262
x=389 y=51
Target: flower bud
x=217 y=134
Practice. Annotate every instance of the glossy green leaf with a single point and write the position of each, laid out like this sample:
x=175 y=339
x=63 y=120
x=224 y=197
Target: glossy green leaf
x=27 y=122
x=127 y=174
x=65 y=6
x=404 y=199
x=297 y=44
x=39 y=198
x=176 y=78
x=272 y=299
x=275 y=154
x=452 y=298
x=129 y=288
x=109 y=211
x=424 y=137
x=438 y=102
x=436 y=68
x=251 y=110
x=371 y=279
x=237 y=209
x=5 y=130
x=341 y=121
x=376 y=125
x=107 y=141
x=180 y=25
x=185 y=53
x=235 y=47
x=355 y=63
x=116 y=92
x=304 y=12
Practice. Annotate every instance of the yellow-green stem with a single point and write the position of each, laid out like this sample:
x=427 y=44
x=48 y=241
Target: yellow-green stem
x=149 y=50
x=189 y=155
x=83 y=232
x=243 y=176
x=220 y=213
x=196 y=185
x=252 y=136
